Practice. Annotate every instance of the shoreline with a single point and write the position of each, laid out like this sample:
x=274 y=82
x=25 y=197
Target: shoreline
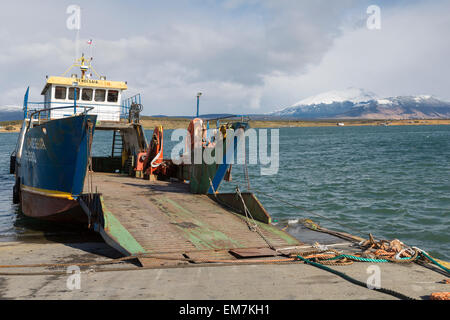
x=346 y=123
x=149 y=123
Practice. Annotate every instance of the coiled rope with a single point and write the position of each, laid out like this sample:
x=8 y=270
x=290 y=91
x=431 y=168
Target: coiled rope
x=362 y=259
x=419 y=253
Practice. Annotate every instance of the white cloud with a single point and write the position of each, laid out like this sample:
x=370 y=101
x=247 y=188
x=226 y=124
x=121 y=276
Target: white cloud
x=408 y=56
x=246 y=56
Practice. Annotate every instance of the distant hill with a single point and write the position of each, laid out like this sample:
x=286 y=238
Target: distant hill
x=11 y=113
x=361 y=104
x=204 y=116
x=408 y=107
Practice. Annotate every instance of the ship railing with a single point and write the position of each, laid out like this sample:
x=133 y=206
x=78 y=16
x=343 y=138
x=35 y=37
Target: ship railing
x=127 y=104
x=33 y=107
x=36 y=115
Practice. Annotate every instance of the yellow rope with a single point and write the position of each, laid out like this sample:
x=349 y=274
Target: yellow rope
x=444 y=263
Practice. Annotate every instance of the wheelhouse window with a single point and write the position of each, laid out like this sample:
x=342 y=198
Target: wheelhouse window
x=71 y=93
x=100 y=95
x=87 y=94
x=60 y=93
x=113 y=95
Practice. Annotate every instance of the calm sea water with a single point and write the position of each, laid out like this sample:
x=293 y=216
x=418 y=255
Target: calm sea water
x=391 y=181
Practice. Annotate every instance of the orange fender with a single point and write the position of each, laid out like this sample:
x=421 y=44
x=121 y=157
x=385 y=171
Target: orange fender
x=154 y=154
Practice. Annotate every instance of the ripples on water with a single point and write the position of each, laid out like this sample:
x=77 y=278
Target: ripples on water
x=391 y=181
x=7 y=209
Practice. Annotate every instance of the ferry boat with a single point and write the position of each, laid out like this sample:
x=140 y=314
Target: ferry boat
x=52 y=153
x=52 y=161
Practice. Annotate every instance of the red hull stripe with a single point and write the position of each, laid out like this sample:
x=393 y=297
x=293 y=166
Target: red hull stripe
x=40 y=206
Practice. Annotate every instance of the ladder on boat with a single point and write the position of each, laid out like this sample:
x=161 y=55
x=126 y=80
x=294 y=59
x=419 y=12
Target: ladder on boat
x=116 y=150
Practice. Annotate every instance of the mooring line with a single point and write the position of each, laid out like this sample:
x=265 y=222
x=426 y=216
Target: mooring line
x=355 y=281
x=310 y=212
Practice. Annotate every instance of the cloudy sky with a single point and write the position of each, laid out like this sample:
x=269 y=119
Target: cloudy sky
x=251 y=56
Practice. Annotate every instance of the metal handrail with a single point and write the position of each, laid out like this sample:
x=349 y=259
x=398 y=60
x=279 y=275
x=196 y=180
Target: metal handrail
x=126 y=104
x=86 y=109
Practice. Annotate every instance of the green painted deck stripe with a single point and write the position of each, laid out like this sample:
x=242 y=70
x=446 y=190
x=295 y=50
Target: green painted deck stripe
x=118 y=232
x=204 y=236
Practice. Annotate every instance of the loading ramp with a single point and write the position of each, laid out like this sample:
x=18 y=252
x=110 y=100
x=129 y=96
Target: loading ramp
x=138 y=216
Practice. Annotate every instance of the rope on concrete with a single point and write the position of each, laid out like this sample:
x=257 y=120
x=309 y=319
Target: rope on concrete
x=355 y=281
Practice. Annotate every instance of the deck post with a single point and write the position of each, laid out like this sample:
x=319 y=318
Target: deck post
x=198 y=102
x=75 y=100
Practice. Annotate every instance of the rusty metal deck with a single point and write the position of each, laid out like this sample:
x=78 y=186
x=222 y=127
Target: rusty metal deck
x=161 y=217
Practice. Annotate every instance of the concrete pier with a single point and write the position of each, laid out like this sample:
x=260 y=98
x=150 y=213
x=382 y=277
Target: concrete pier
x=163 y=218
x=127 y=280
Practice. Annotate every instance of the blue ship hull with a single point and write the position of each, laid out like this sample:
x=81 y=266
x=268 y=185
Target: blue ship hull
x=52 y=167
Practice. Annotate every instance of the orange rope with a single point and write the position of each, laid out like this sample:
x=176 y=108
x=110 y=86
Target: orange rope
x=440 y=296
x=322 y=256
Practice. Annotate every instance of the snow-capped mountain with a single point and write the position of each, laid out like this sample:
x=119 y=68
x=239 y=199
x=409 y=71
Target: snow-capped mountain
x=351 y=94
x=10 y=113
x=358 y=103
x=403 y=107
x=326 y=104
